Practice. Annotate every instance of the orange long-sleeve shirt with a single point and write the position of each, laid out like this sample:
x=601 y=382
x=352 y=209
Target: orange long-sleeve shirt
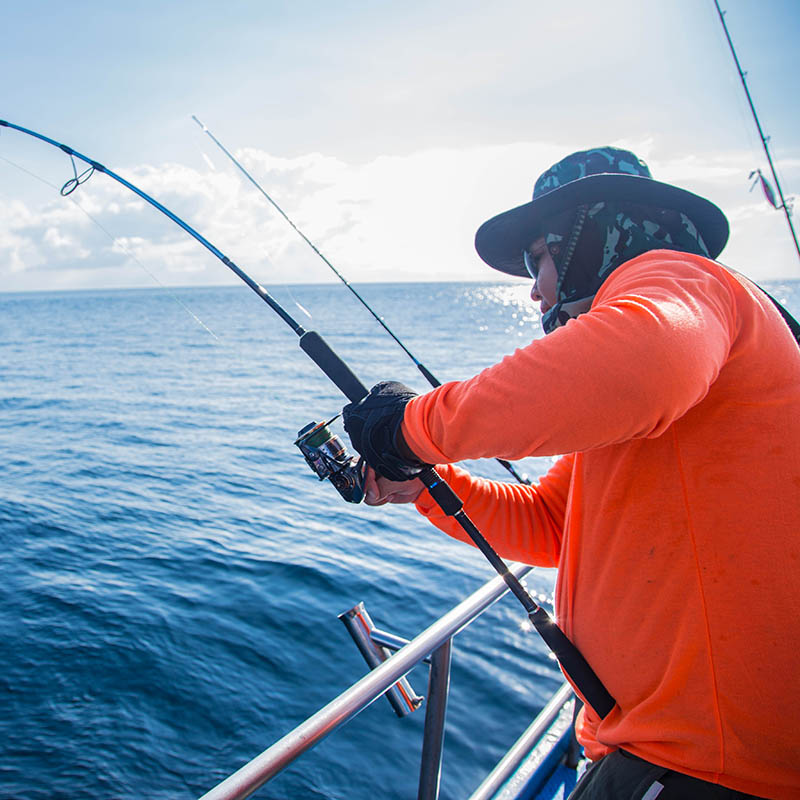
x=675 y=520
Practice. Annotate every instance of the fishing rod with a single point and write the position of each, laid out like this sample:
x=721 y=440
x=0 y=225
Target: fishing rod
x=328 y=458
x=764 y=139
x=428 y=375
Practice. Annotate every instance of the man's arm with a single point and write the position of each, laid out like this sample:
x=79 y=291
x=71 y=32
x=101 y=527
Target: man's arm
x=654 y=341
x=523 y=523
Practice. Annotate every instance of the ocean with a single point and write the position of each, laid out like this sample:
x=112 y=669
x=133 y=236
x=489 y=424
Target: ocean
x=171 y=571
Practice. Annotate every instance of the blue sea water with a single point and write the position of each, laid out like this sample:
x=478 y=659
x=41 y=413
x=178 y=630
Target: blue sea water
x=171 y=571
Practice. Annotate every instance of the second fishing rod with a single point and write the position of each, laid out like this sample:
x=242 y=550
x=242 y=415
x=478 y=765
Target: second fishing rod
x=427 y=374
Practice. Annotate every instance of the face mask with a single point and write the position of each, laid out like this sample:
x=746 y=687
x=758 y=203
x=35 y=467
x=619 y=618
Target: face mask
x=602 y=237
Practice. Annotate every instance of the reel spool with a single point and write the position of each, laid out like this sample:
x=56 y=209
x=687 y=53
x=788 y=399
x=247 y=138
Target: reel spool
x=326 y=454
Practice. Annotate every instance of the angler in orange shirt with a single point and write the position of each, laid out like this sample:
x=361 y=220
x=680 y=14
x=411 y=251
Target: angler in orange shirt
x=670 y=386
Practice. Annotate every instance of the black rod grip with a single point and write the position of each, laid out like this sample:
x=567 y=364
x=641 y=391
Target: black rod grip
x=451 y=504
x=568 y=655
x=573 y=663
x=429 y=376
x=333 y=366
x=445 y=497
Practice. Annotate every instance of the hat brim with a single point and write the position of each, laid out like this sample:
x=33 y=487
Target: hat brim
x=501 y=240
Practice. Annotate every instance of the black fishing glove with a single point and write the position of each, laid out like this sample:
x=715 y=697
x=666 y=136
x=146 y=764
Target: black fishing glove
x=373 y=425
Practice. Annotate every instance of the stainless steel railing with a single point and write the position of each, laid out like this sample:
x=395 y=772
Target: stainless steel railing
x=435 y=639
x=523 y=746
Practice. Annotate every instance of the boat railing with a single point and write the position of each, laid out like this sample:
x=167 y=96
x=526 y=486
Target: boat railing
x=434 y=643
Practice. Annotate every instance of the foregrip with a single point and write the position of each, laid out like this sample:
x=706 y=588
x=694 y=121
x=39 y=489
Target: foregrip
x=333 y=366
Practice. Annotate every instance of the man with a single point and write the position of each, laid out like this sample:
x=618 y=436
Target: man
x=672 y=384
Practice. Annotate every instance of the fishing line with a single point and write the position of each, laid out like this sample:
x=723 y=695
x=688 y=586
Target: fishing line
x=570 y=658
x=74 y=183
x=285 y=286
x=432 y=380
x=310 y=341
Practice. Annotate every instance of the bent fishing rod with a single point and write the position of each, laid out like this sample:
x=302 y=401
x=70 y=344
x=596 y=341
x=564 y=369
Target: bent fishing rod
x=328 y=458
x=427 y=374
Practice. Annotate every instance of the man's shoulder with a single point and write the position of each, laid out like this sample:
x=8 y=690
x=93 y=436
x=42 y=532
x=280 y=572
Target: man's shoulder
x=671 y=262
x=667 y=270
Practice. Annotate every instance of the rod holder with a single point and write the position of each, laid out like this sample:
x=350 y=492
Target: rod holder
x=360 y=626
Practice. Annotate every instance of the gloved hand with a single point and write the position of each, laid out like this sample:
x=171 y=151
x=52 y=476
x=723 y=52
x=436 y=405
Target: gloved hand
x=373 y=425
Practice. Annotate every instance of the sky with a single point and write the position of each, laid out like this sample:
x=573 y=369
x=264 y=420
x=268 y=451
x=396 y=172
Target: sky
x=387 y=131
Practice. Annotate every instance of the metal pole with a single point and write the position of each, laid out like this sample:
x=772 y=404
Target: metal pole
x=402 y=698
x=760 y=131
x=512 y=759
x=433 y=739
x=355 y=699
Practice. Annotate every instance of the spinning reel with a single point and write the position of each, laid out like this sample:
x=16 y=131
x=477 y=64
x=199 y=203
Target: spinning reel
x=327 y=456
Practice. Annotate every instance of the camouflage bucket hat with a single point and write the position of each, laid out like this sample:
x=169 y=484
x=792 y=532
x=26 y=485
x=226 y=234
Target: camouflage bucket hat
x=587 y=177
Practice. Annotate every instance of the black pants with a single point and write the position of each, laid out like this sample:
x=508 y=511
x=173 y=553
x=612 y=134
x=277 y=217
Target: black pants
x=622 y=776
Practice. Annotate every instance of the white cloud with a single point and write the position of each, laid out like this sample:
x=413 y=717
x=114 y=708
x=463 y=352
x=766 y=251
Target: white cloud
x=410 y=217
x=54 y=238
